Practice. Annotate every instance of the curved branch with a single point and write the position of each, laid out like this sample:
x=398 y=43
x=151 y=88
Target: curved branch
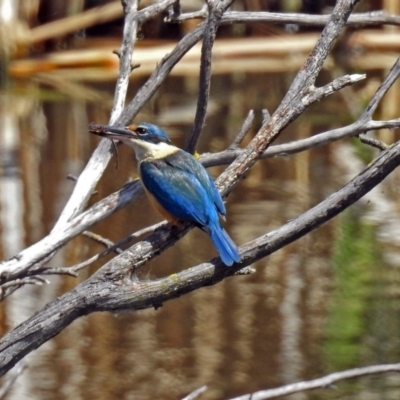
x=16 y=268
x=295 y=101
x=115 y=287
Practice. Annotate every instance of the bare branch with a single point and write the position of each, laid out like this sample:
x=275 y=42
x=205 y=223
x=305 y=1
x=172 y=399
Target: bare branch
x=14 y=268
x=363 y=124
x=243 y=132
x=320 y=383
x=196 y=393
x=101 y=156
x=102 y=240
x=125 y=57
x=215 y=12
x=129 y=238
x=10 y=287
x=355 y=20
x=373 y=142
x=294 y=103
x=114 y=287
x=160 y=73
x=285 y=149
x=382 y=90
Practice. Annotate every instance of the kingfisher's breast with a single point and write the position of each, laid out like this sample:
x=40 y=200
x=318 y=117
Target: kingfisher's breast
x=163 y=182
x=167 y=215
x=156 y=205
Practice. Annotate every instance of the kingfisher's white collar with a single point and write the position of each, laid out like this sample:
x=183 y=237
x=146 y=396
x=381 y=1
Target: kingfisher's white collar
x=145 y=150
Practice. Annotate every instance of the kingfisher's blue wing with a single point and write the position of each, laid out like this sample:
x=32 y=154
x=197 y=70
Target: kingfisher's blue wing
x=187 y=163
x=217 y=197
x=183 y=187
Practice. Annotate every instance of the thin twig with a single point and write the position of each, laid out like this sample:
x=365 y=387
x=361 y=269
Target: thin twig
x=266 y=116
x=363 y=124
x=176 y=18
x=102 y=240
x=357 y=19
x=34 y=280
x=319 y=383
x=243 y=131
x=321 y=139
x=117 y=245
x=56 y=271
x=216 y=9
x=372 y=142
x=295 y=101
x=196 y=393
x=6 y=289
x=382 y=90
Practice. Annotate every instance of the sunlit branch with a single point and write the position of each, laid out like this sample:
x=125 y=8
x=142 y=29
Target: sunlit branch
x=319 y=383
x=115 y=288
x=295 y=101
x=372 y=18
x=196 y=393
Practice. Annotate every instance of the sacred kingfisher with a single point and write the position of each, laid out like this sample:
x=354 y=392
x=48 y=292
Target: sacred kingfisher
x=178 y=186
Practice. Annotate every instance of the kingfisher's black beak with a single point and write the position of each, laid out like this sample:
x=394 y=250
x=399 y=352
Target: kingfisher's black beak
x=114 y=132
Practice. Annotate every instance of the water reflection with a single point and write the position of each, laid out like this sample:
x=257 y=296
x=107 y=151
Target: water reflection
x=326 y=302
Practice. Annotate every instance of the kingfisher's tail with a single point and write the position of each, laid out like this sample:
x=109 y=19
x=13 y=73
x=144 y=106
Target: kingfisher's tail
x=225 y=246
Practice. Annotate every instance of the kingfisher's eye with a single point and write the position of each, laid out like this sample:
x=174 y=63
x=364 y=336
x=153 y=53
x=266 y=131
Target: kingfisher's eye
x=141 y=131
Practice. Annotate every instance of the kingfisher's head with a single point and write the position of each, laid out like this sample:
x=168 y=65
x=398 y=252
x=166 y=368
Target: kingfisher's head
x=148 y=140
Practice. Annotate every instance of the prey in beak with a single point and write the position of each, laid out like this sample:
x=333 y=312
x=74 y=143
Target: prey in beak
x=114 y=132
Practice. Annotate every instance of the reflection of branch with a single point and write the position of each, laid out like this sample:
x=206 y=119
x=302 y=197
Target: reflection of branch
x=71 y=24
x=356 y=19
x=86 y=19
x=319 y=383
